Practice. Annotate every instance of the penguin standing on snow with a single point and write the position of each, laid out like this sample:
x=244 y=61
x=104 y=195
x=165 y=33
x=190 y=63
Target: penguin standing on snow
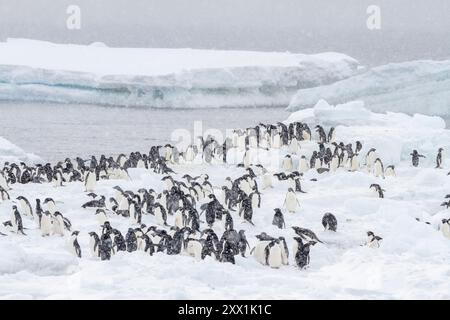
x=416 y=158
x=291 y=201
x=287 y=165
x=25 y=206
x=131 y=240
x=329 y=222
x=242 y=243
x=439 y=159
x=46 y=224
x=302 y=255
x=94 y=244
x=74 y=245
x=247 y=209
x=90 y=181
x=378 y=168
x=278 y=219
x=4 y=195
x=16 y=221
x=390 y=171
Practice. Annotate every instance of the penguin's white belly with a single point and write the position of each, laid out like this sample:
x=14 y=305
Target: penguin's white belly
x=276 y=142
x=378 y=170
x=445 y=229
x=318 y=163
x=159 y=216
x=91 y=183
x=291 y=202
x=51 y=207
x=179 y=219
x=287 y=165
x=389 y=172
x=3 y=182
x=58 y=227
x=93 y=249
x=46 y=226
x=303 y=166
x=293 y=146
x=194 y=249
x=255 y=201
x=267 y=181
x=259 y=252
x=374 y=244
x=355 y=164
x=253 y=142
x=334 y=164
x=275 y=259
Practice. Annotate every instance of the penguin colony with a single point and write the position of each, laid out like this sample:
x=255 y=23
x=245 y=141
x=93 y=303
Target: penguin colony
x=199 y=208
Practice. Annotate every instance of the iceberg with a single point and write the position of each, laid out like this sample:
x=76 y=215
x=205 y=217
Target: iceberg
x=409 y=87
x=166 y=78
x=394 y=135
x=9 y=152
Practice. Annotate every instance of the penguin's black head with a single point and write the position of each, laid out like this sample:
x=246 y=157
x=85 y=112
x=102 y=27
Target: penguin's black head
x=75 y=233
x=92 y=233
x=370 y=234
x=444 y=221
x=14 y=207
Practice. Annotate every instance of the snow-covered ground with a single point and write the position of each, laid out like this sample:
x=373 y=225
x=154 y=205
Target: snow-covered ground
x=412 y=262
x=410 y=87
x=177 y=78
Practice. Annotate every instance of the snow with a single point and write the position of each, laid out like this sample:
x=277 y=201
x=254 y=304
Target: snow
x=409 y=87
x=413 y=261
x=157 y=77
x=12 y=153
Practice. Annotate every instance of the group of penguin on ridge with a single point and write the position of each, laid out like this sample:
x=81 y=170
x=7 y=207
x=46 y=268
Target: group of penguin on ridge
x=191 y=197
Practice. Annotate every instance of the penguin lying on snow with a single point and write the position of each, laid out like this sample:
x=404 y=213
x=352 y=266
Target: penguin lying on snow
x=373 y=241
x=329 y=222
x=380 y=191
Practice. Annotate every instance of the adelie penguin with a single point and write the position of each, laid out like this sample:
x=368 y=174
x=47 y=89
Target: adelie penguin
x=25 y=206
x=278 y=219
x=306 y=234
x=329 y=222
x=302 y=253
x=445 y=227
x=90 y=181
x=74 y=246
x=94 y=244
x=373 y=241
x=415 y=157
x=439 y=159
x=378 y=168
x=380 y=191
x=291 y=201
x=390 y=171
x=16 y=221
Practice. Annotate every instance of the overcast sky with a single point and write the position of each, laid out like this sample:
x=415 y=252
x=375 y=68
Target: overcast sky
x=410 y=29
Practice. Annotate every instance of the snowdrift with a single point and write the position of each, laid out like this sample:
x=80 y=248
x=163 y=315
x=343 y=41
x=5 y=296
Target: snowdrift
x=410 y=87
x=177 y=78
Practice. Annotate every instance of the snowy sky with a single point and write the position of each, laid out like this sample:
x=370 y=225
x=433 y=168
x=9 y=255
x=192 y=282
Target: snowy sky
x=415 y=29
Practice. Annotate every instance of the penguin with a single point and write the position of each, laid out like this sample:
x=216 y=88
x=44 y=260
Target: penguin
x=131 y=240
x=4 y=195
x=46 y=224
x=378 y=168
x=74 y=246
x=266 y=180
x=58 y=224
x=287 y=164
x=415 y=157
x=370 y=158
x=329 y=222
x=256 y=199
x=242 y=243
x=335 y=163
x=373 y=241
x=94 y=244
x=160 y=214
x=273 y=254
x=25 y=206
x=291 y=201
x=354 y=163
x=278 y=219
x=302 y=257
x=90 y=182
x=445 y=227
x=16 y=221
x=439 y=159
x=247 y=209
x=101 y=216
x=306 y=234
x=389 y=171
x=380 y=191
x=303 y=165
x=96 y=203
x=51 y=206
x=4 y=182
